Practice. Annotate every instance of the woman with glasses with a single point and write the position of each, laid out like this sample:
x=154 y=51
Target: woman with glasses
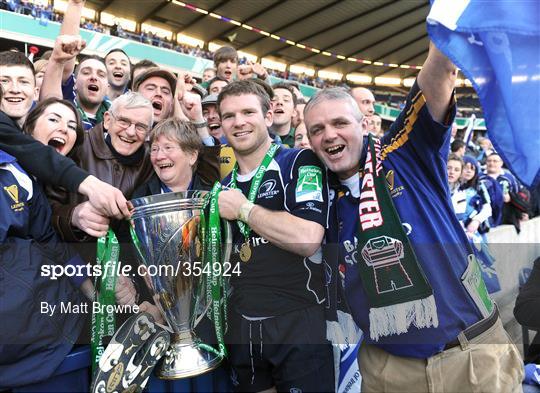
x=174 y=151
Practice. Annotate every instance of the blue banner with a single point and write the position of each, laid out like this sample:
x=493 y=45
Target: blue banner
x=496 y=45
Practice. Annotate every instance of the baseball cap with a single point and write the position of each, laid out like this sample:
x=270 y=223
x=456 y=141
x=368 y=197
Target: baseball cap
x=210 y=99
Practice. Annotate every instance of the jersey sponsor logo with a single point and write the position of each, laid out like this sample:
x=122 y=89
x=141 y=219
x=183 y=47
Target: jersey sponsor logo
x=13 y=192
x=252 y=242
x=395 y=191
x=311 y=206
x=267 y=189
x=309 y=186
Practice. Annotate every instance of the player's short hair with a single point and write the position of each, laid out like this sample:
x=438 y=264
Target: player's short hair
x=245 y=87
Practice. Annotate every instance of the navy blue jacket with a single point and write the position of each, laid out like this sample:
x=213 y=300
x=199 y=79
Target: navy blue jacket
x=32 y=343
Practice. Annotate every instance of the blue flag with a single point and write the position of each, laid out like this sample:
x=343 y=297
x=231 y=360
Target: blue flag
x=496 y=44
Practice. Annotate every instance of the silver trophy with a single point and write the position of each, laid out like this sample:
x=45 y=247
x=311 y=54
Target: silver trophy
x=167 y=229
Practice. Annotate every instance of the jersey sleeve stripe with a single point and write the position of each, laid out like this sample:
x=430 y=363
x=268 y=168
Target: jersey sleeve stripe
x=402 y=136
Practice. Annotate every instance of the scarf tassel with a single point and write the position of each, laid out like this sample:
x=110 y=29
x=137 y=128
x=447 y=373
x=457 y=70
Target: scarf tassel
x=396 y=318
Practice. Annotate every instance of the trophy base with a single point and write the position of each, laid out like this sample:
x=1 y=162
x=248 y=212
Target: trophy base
x=184 y=359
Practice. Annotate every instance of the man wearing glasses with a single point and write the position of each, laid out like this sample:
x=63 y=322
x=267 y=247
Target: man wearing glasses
x=114 y=152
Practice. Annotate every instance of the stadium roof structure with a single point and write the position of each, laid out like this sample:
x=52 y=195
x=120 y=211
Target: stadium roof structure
x=334 y=35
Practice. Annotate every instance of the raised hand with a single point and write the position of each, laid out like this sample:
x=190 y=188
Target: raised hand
x=66 y=48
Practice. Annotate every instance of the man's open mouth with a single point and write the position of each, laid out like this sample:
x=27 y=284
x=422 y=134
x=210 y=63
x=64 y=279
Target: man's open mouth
x=94 y=88
x=335 y=149
x=157 y=105
x=118 y=74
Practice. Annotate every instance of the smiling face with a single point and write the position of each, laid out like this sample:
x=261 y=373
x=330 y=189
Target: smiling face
x=335 y=133
x=172 y=164
x=158 y=91
x=19 y=87
x=283 y=107
x=91 y=84
x=211 y=115
x=56 y=127
x=128 y=128
x=118 y=69
x=243 y=122
x=453 y=169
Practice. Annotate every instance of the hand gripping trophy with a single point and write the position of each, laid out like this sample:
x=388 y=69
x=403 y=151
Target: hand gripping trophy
x=178 y=242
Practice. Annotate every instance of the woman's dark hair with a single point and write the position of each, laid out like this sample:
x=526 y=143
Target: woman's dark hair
x=31 y=120
x=474 y=181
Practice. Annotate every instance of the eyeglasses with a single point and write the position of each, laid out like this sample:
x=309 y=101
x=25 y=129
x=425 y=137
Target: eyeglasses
x=154 y=150
x=126 y=123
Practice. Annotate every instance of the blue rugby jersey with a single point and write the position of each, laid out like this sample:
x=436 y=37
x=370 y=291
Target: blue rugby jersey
x=414 y=153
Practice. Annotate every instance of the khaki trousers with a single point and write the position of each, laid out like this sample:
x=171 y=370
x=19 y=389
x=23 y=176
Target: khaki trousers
x=488 y=363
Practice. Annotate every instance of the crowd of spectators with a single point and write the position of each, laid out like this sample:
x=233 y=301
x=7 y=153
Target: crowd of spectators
x=153 y=126
x=394 y=100
x=511 y=203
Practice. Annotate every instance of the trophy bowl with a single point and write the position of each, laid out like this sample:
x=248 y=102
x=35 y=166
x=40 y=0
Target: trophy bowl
x=167 y=240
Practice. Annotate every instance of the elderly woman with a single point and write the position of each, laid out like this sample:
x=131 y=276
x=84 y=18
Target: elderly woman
x=174 y=151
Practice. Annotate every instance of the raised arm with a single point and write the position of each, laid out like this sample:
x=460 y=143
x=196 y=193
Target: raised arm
x=66 y=48
x=437 y=79
x=71 y=26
